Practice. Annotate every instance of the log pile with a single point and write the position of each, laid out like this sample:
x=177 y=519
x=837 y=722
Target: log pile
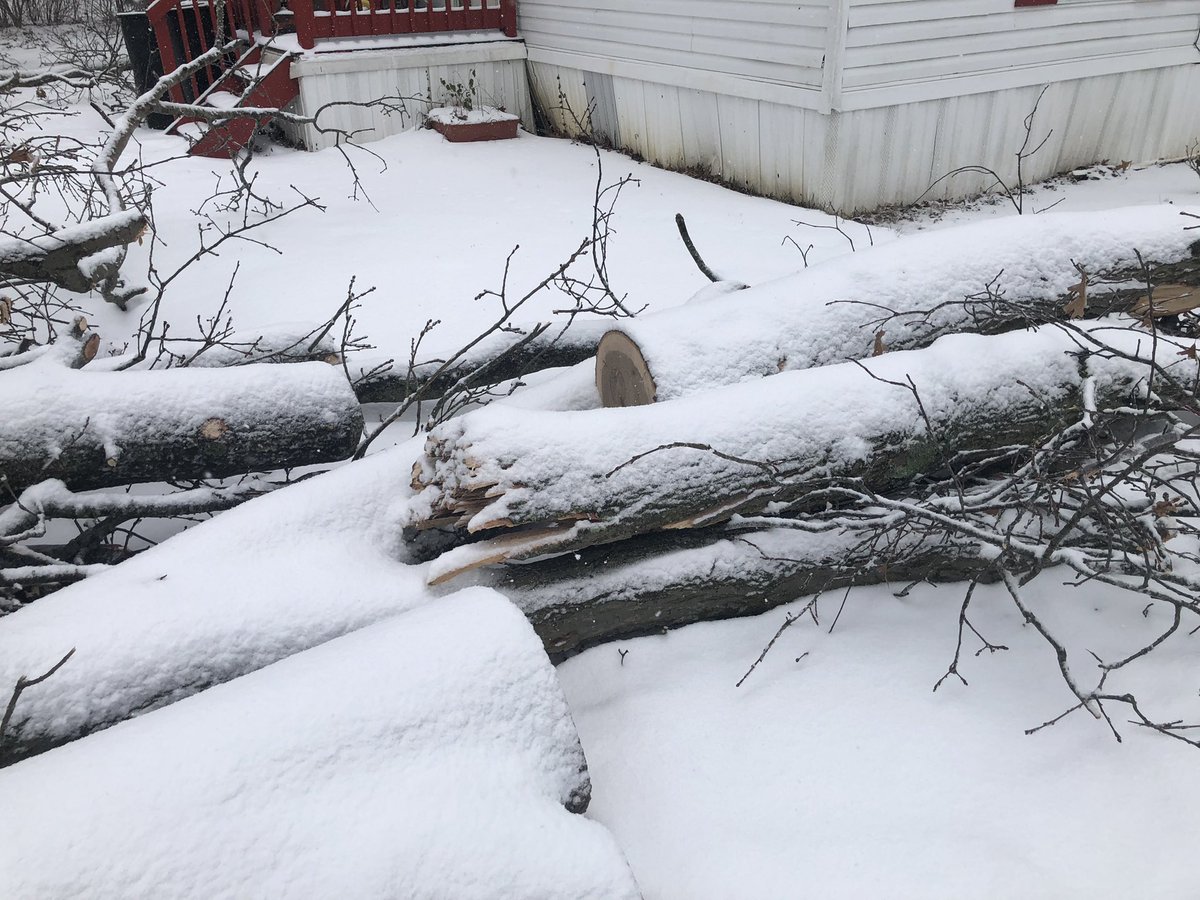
x=612 y=522
x=523 y=484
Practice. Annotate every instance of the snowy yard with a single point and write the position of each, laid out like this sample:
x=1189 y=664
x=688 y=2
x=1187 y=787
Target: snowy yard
x=328 y=697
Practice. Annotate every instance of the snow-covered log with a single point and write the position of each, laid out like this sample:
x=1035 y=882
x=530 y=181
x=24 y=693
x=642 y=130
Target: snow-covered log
x=431 y=755
x=76 y=258
x=672 y=579
x=269 y=579
x=94 y=429
x=74 y=350
x=985 y=277
x=531 y=484
x=503 y=357
x=279 y=343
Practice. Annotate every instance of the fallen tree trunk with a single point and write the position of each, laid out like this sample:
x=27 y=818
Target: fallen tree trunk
x=285 y=572
x=97 y=429
x=76 y=258
x=987 y=278
x=532 y=484
x=669 y=580
x=506 y=357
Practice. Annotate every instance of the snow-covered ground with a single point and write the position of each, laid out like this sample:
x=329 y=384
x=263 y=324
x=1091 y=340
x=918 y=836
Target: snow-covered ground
x=435 y=223
x=1088 y=189
x=834 y=770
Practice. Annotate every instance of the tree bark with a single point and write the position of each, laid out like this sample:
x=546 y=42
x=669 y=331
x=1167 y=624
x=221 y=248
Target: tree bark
x=669 y=580
x=532 y=484
x=499 y=360
x=98 y=429
x=495 y=361
x=986 y=278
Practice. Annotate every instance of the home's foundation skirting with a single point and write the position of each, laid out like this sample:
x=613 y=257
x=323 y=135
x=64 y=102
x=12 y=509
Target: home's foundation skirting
x=412 y=78
x=863 y=159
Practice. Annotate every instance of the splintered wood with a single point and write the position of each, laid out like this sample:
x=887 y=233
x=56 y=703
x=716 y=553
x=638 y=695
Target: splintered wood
x=1167 y=300
x=456 y=507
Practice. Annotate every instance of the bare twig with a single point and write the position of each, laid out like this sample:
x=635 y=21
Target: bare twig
x=788 y=621
x=22 y=684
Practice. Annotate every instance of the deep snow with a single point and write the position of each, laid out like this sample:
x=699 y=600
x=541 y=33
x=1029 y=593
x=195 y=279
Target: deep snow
x=428 y=756
x=842 y=775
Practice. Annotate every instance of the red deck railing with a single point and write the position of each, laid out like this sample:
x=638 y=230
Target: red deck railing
x=316 y=19
x=185 y=29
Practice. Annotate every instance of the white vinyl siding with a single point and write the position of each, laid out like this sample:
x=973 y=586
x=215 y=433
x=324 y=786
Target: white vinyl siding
x=851 y=104
x=774 y=41
x=964 y=43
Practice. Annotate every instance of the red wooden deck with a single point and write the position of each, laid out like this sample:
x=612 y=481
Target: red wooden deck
x=317 y=19
x=187 y=29
x=184 y=29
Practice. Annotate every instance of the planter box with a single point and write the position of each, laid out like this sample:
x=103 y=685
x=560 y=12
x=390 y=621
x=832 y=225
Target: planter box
x=462 y=125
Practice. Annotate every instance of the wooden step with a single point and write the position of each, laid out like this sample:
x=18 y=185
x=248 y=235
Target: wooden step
x=267 y=86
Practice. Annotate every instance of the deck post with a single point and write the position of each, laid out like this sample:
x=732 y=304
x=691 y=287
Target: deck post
x=157 y=13
x=302 y=11
x=508 y=17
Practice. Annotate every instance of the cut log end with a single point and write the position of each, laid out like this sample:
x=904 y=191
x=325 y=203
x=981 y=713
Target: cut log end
x=88 y=352
x=213 y=429
x=622 y=376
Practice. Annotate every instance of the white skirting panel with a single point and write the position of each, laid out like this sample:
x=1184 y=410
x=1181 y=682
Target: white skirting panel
x=412 y=81
x=864 y=159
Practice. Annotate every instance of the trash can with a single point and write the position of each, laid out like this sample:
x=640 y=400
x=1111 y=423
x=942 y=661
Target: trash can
x=143 y=58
